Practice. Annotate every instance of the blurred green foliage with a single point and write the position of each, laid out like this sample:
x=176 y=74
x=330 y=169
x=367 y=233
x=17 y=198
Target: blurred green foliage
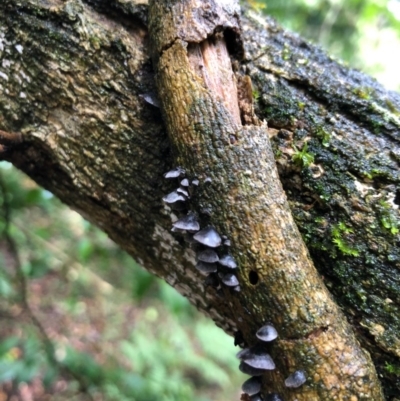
x=113 y=331
x=364 y=33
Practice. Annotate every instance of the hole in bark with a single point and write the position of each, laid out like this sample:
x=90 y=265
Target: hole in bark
x=397 y=197
x=234 y=43
x=253 y=277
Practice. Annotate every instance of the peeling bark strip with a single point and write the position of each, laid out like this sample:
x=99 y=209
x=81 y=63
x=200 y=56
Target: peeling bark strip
x=279 y=283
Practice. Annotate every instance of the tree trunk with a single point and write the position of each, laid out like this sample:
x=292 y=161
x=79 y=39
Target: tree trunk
x=77 y=82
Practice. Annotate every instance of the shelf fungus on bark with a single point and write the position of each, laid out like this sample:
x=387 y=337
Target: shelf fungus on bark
x=208 y=256
x=188 y=223
x=252 y=386
x=230 y=280
x=249 y=370
x=260 y=361
x=209 y=237
x=267 y=333
x=175 y=173
x=228 y=261
x=173 y=197
x=183 y=191
x=296 y=379
x=151 y=98
x=185 y=182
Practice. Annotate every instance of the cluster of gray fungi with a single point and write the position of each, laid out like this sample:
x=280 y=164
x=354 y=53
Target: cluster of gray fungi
x=219 y=268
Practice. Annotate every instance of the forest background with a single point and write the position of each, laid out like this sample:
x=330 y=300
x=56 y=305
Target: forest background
x=112 y=330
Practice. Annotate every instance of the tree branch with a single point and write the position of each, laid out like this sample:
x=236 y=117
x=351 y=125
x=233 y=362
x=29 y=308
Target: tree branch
x=245 y=201
x=74 y=79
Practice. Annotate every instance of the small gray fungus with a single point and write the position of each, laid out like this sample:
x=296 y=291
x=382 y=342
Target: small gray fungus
x=267 y=333
x=252 y=386
x=185 y=182
x=175 y=173
x=173 y=197
x=207 y=180
x=151 y=98
x=242 y=353
x=209 y=237
x=227 y=261
x=195 y=182
x=249 y=370
x=259 y=361
x=183 y=192
x=296 y=379
x=208 y=256
x=188 y=222
x=227 y=242
x=230 y=280
x=237 y=288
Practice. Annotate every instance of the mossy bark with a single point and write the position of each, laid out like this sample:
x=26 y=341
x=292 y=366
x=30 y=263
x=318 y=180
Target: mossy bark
x=245 y=201
x=74 y=77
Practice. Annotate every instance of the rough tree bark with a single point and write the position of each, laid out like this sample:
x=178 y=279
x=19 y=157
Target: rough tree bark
x=74 y=80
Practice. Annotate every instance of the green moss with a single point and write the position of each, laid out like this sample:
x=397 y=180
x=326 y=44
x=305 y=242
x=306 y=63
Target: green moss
x=302 y=157
x=363 y=93
x=323 y=135
x=393 y=369
x=341 y=244
x=386 y=217
x=286 y=52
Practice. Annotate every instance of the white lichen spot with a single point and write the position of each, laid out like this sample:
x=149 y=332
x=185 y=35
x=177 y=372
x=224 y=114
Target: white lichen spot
x=390 y=200
x=337 y=136
x=6 y=63
x=24 y=76
x=362 y=188
x=19 y=48
x=4 y=76
x=124 y=117
x=317 y=170
x=22 y=95
x=18 y=79
x=386 y=114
